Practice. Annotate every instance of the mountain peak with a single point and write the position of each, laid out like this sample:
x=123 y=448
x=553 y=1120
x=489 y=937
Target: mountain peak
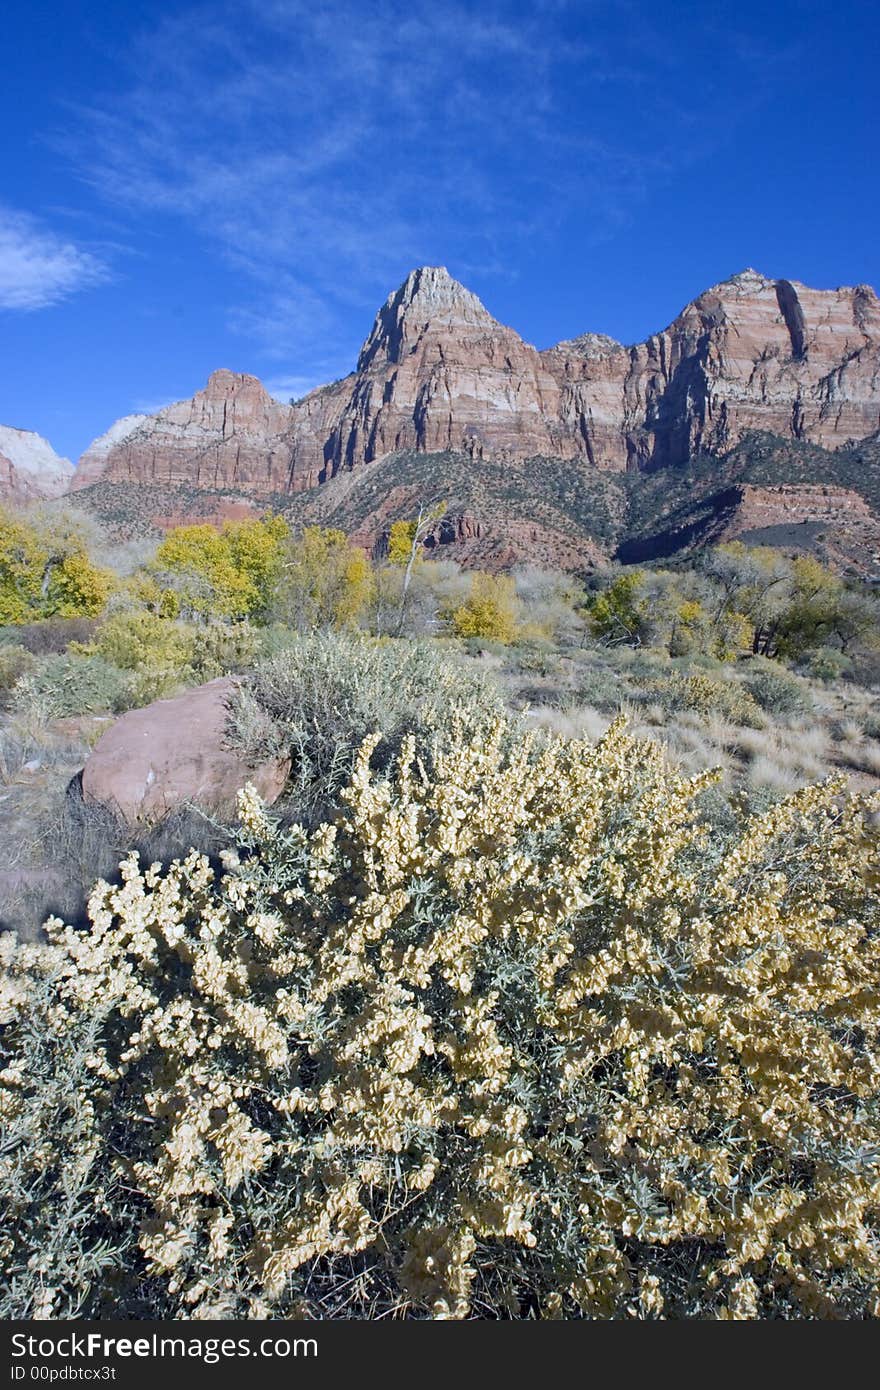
x=429 y=295
x=223 y=382
x=29 y=466
x=592 y=346
x=432 y=284
x=747 y=281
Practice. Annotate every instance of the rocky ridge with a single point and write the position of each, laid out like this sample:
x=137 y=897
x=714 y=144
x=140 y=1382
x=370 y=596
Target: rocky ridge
x=438 y=372
x=30 y=470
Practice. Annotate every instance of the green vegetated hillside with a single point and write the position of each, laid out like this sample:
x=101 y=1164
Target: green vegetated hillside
x=674 y=509
x=633 y=516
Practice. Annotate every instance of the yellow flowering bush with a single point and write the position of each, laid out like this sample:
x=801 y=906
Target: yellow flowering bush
x=704 y=695
x=510 y=1039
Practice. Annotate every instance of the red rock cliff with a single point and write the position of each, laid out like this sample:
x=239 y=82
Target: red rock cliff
x=438 y=372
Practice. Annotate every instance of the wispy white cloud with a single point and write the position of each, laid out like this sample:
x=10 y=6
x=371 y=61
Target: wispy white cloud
x=327 y=149
x=39 y=268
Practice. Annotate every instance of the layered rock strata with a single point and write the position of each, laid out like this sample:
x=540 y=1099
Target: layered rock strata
x=437 y=372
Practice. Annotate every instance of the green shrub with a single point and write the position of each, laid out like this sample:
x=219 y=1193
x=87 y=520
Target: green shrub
x=318 y=700
x=827 y=664
x=220 y=648
x=776 y=690
x=701 y=661
x=639 y=663
x=275 y=638
x=15 y=662
x=704 y=695
x=136 y=640
x=62 y=686
x=156 y=653
x=534 y=658
x=503 y=1040
x=476 y=646
x=598 y=686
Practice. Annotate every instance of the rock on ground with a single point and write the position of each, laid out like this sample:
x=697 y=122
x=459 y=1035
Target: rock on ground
x=174 y=752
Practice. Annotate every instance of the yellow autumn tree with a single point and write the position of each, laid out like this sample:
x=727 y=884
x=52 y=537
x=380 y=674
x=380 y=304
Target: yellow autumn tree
x=231 y=571
x=324 y=581
x=401 y=538
x=489 y=611
x=45 y=572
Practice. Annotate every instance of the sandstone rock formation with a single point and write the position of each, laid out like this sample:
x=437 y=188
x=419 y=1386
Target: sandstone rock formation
x=437 y=372
x=29 y=467
x=504 y=543
x=231 y=434
x=832 y=522
x=754 y=353
x=171 y=752
x=790 y=505
x=836 y=523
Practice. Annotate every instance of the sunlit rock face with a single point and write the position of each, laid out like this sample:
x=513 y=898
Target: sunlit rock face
x=30 y=469
x=437 y=372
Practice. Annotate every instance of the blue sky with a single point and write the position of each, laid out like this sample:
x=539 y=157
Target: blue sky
x=191 y=186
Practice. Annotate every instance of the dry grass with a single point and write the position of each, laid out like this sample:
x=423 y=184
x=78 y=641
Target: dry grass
x=767 y=772
x=581 y=722
x=52 y=845
x=860 y=754
x=786 y=752
x=52 y=848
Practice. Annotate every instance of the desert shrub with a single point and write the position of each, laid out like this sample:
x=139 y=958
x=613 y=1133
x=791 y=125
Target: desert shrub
x=776 y=690
x=866 y=667
x=502 y=1040
x=61 y=686
x=317 y=701
x=476 y=646
x=548 y=695
x=720 y=813
x=704 y=695
x=62 y=1237
x=638 y=664
x=275 y=638
x=55 y=635
x=156 y=653
x=534 y=657
x=220 y=648
x=83 y=841
x=134 y=640
x=697 y=660
x=598 y=686
x=827 y=664
x=15 y=662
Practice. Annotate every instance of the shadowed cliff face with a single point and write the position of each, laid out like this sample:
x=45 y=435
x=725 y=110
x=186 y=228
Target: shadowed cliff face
x=437 y=372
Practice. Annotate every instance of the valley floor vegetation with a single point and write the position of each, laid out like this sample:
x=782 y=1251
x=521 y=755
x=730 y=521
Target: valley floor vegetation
x=550 y=987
